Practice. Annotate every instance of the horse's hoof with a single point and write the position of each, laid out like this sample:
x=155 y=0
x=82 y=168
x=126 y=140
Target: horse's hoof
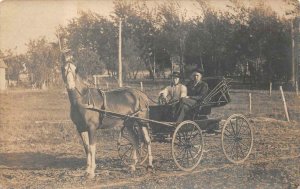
x=89 y=175
x=132 y=168
x=150 y=168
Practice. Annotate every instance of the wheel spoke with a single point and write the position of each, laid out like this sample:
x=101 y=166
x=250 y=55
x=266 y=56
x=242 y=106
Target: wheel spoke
x=183 y=153
x=228 y=132
x=187 y=157
x=226 y=147
x=196 y=150
x=128 y=150
x=237 y=151
x=245 y=130
x=241 y=150
x=179 y=138
x=246 y=138
x=181 y=150
x=244 y=144
x=195 y=136
x=240 y=126
x=232 y=128
x=229 y=136
x=193 y=159
x=192 y=131
x=232 y=148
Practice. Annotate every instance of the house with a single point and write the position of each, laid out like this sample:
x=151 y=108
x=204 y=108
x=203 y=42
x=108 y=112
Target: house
x=3 y=69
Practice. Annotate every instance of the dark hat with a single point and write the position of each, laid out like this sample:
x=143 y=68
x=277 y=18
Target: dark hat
x=199 y=70
x=175 y=74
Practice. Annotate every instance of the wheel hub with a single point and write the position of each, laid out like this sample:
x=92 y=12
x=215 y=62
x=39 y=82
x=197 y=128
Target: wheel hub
x=237 y=138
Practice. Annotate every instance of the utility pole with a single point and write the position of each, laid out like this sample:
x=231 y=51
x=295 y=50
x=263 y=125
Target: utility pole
x=293 y=55
x=296 y=50
x=120 y=54
x=154 y=65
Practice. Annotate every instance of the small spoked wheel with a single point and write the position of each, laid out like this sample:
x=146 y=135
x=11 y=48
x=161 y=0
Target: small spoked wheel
x=187 y=145
x=237 y=138
x=126 y=147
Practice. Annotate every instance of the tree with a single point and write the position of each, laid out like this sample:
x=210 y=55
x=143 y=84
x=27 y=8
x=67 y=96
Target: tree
x=132 y=61
x=173 y=31
x=88 y=63
x=14 y=64
x=138 y=27
x=42 y=60
x=95 y=35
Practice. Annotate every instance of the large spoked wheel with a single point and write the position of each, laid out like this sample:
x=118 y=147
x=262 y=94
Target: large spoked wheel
x=237 y=138
x=187 y=145
x=125 y=146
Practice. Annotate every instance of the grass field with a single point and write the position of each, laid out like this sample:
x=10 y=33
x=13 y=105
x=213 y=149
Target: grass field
x=40 y=147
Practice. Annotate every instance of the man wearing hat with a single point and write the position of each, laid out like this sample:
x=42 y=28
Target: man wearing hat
x=196 y=91
x=175 y=91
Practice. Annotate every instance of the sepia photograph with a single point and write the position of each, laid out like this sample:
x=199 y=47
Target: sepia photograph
x=150 y=94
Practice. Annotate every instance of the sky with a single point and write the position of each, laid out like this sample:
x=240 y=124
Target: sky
x=23 y=20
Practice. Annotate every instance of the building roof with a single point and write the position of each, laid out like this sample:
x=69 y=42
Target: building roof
x=2 y=64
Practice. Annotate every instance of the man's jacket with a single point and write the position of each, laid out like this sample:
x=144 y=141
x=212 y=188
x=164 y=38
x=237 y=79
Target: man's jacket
x=197 y=91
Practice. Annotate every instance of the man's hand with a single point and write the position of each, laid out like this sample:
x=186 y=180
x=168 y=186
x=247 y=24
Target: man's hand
x=162 y=99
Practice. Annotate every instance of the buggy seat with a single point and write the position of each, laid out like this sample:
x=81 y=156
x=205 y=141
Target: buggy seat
x=217 y=96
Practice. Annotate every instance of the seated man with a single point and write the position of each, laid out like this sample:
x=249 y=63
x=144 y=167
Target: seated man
x=196 y=91
x=175 y=91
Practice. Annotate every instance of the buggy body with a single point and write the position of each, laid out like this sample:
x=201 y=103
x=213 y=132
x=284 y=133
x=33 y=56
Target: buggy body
x=187 y=137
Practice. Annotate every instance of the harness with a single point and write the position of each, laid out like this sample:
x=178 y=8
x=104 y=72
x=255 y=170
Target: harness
x=104 y=105
x=75 y=94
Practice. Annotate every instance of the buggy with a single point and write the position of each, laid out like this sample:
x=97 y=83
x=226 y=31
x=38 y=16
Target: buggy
x=187 y=137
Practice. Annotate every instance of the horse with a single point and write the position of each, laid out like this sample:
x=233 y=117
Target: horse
x=125 y=101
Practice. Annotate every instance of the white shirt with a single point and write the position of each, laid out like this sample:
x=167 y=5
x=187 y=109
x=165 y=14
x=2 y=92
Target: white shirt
x=174 y=92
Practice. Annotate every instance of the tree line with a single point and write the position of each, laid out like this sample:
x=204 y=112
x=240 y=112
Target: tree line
x=245 y=42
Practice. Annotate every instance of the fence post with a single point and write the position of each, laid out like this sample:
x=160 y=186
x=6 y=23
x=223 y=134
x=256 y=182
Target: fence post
x=270 y=88
x=284 y=104
x=250 y=103
x=142 y=89
x=95 y=80
x=297 y=92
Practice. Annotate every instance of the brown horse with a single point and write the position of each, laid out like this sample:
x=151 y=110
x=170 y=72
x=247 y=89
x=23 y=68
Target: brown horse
x=125 y=101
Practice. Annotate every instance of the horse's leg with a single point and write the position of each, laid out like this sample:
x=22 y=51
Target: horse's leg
x=85 y=140
x=134 y=140
x=91 y=157
x=148 y=143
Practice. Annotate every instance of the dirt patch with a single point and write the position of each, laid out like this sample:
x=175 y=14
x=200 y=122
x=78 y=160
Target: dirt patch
x=40 y=148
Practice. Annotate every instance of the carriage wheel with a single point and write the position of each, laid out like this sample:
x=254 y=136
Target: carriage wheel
x=237 y=138
x=187 y=145
x=125 y=146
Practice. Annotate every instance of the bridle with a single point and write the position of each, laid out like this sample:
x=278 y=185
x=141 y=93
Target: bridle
x=68 y=70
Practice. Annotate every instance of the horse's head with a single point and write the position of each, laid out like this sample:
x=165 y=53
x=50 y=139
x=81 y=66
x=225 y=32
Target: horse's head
x=69 y=75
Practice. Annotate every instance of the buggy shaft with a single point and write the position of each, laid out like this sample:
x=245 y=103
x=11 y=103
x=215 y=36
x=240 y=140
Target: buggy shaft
x=122 y=116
